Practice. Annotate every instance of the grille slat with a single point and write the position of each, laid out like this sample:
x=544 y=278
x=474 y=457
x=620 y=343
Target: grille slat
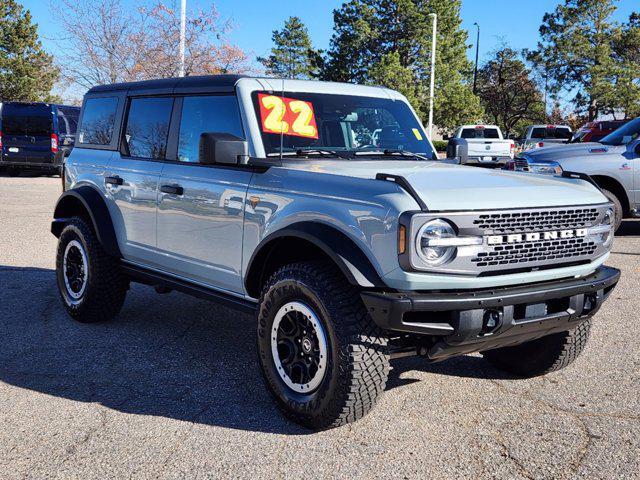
x=537 y=221
x=569 y=249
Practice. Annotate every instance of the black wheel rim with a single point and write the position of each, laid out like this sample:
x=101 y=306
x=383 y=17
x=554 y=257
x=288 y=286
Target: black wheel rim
x=299 y=347
x=75 y=270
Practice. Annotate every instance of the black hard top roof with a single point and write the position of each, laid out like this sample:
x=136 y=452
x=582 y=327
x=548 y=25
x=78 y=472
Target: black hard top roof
x=214 y=82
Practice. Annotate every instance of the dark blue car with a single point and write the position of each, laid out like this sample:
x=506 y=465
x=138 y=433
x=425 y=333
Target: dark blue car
x=36 y=135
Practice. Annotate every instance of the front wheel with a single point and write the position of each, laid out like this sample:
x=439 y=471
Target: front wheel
x=541 y=356
x=322 y=357
x=618 y=212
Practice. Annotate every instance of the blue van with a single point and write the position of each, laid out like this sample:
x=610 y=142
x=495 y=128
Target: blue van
x=36 y=135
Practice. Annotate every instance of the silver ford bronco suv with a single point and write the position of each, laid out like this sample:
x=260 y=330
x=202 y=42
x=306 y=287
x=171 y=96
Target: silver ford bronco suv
x=317 y=206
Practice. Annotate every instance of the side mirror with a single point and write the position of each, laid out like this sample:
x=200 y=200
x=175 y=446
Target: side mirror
x=458 y=149
x=445 y=137
x=222 y=148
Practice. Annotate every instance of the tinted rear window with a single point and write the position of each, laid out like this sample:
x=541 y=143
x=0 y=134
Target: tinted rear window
x=97 y=121
x=480 y=133
x=560 y=133
x=31 y=120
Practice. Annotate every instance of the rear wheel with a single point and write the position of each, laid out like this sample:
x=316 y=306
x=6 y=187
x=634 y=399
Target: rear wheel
x=322 y=356
x=617 y=207
x=541 y=356
x=13 y=171
x=90 y=282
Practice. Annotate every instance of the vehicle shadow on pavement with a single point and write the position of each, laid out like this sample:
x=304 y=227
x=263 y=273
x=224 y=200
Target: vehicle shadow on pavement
x=164 y=355
x=629 y=228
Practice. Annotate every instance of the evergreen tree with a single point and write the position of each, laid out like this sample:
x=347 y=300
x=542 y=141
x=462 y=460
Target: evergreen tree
x=389 y=41
x=27 y=72
x=511 y=99
x=624 y=98
x=575 y=52
x=292 y=55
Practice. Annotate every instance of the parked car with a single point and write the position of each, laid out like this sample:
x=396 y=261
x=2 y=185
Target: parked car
x=484 y=146
x=273 y=196
x=538 y=136
x=613 y=164
x=36 y=136
x=596 y=131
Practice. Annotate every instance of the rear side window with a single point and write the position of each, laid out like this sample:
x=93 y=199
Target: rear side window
x=218 y=114
x=148 y=127
x=67 y=120
x=97 y=121
x=27 y=120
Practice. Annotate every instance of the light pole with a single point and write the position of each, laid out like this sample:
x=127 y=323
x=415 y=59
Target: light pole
x=183 y=24
x=432 y=78
x=475 y=70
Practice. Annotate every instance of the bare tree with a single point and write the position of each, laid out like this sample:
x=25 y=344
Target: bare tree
x=108 y=43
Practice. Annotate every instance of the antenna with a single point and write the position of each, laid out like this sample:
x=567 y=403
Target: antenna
x=281 y=124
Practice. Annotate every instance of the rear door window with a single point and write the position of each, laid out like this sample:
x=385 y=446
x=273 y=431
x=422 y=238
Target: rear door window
x=148 y=127
x=98 y=120
x=218 y=114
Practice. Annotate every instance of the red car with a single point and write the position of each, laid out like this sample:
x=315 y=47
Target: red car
x=595 y=131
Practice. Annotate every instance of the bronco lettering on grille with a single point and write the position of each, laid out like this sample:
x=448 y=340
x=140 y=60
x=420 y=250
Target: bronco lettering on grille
x=535 y=237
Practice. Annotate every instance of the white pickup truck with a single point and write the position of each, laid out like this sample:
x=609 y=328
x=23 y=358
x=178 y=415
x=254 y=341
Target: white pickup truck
x=538 y=136
x=485 y=145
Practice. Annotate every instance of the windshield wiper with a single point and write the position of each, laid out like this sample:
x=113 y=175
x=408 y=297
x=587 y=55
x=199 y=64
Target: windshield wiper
x=302 y=151
x=391 y=152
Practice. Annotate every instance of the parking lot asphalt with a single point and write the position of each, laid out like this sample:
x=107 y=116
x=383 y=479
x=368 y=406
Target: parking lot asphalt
x=171 y=389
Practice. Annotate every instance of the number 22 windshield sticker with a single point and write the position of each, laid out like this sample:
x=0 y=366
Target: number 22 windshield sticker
x=288 y=116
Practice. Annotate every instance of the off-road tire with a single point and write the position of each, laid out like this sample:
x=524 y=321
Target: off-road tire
x=357 y=355
x=106 y=287
x=543 y=355
x=617 y=207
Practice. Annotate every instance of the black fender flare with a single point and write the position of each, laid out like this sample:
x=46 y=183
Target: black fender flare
x=87 y=199
x=341 y=249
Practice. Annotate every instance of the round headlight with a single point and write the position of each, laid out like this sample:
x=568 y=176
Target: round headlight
x=434 y=230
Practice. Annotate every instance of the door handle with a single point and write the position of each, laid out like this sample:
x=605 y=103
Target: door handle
x=114 y=180
x=172 y=189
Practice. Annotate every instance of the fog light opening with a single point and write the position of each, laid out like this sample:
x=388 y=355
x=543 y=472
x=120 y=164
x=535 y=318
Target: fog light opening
x=491 y=322
x=590 y=302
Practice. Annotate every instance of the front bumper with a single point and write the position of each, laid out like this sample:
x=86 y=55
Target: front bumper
x=463 y=321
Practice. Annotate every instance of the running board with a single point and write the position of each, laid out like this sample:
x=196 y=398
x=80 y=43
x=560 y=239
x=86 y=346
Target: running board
x=156 y=279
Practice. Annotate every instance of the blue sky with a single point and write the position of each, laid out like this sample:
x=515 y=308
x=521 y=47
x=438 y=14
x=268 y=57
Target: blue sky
x=515 y=21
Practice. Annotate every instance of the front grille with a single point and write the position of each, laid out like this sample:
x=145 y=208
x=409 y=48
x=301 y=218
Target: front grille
x=536 y=221
x=521 y=240
x=565 y=250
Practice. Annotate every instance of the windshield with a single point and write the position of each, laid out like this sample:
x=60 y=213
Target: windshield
x=317 y=122
x=623 y=135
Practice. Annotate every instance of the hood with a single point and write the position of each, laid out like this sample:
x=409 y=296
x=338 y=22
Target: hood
x=559 y=152
x=453 y=187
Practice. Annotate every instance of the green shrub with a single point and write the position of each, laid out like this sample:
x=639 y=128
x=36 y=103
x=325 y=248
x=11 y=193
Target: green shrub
x=440 y=145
